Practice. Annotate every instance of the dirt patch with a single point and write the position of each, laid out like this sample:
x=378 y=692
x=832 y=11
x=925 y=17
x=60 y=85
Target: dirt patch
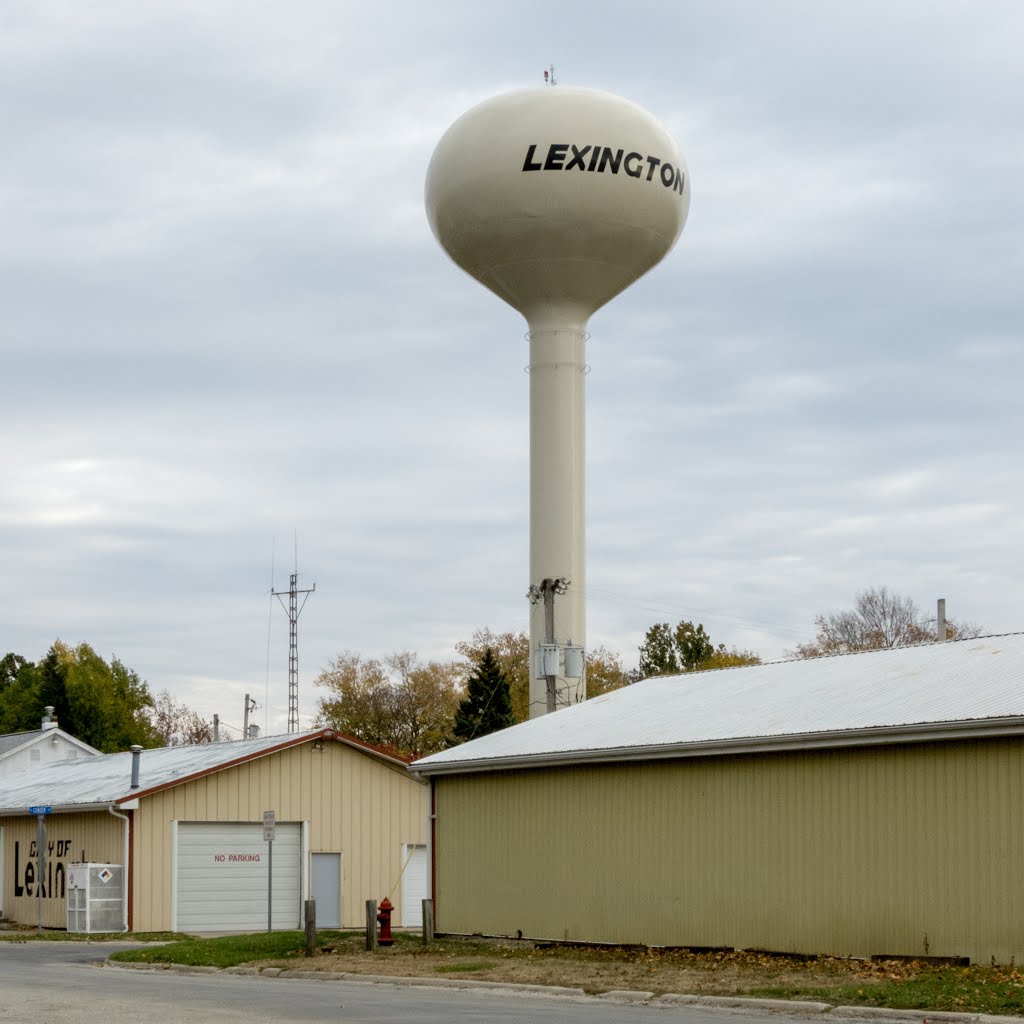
x=600 y=970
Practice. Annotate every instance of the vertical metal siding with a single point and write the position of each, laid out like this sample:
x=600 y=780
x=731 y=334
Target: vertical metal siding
x=355 y=805
x=904 y=850
x=93 y=838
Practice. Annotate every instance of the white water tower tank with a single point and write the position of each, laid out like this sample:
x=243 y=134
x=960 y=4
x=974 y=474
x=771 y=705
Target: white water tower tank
x=556 y=199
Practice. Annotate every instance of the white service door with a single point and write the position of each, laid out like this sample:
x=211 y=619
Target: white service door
x=414 y=886
x=222 y=877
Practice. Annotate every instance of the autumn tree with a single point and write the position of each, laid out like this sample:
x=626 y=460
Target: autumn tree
x=878 y=619
x=605 y=672
x=431 y=695
x=731 y=657
x=396 y=702
x=668 y=650
x=177 y=725
x=487 y=706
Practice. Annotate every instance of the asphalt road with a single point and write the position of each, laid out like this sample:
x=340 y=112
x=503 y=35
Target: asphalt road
x=65 y=983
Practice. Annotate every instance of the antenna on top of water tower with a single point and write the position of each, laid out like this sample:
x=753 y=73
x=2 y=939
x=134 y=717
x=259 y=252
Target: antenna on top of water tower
x=294 y=610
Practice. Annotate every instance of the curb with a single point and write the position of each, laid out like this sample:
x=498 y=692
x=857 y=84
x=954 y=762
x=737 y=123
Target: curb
x=626 y=996
x=794 y=1007
x=887 y=1013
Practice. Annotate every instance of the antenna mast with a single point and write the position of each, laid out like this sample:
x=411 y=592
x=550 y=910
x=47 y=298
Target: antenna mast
x=294 y=610
x=549 y=76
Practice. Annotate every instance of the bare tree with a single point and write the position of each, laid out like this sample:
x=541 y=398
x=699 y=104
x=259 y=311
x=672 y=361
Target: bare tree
x=176 y=724
x=878 y=619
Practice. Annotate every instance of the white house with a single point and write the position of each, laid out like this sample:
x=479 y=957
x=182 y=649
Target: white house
x=22 y=750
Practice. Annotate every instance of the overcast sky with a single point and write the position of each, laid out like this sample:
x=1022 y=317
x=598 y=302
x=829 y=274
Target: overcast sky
x=226 y=325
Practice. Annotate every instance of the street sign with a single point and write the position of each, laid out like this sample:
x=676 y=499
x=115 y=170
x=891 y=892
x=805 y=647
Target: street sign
x=41 y=809
x=268 y=837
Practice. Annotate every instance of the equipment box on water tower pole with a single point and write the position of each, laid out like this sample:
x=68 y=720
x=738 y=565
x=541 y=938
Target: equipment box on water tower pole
x=95 y=898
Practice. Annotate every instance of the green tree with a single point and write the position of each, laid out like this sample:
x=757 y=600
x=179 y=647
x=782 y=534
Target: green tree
x=512 y=651
x=103 y=705
x=10 y=665
x=487 y=706
x=658 y=654
x=18 y=695
x=668 y=651
x=693 y=644
x=879 y=619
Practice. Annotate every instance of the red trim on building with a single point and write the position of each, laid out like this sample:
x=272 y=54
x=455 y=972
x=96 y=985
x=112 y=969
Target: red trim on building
x=131 y=870
x=286 y=744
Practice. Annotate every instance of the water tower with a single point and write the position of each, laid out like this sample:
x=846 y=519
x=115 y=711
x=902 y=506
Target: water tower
x=556 y=199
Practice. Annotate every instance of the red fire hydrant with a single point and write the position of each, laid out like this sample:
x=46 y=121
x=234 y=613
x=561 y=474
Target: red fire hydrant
x=384 y=919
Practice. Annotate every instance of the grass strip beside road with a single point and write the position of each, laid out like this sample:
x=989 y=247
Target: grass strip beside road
x=915 y=984
x=53 y=935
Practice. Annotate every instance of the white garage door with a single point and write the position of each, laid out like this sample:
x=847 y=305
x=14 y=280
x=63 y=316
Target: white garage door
x=414 y=886
x=222 y=877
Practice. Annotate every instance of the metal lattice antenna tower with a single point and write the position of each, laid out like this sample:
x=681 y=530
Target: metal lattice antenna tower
x=294 y=610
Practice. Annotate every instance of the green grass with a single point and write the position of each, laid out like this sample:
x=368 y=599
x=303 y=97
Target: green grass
x=229 y=950
x=471 y=965
x=977 y=989
x=917 y=985
x=62 y=936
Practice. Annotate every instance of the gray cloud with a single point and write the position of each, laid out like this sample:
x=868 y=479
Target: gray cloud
x=226 y=322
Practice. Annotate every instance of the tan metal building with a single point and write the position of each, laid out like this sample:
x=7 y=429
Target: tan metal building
x=857 y=805
x=349 y=825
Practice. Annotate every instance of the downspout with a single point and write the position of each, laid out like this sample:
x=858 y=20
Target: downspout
x=124 y=871
x=431 y=852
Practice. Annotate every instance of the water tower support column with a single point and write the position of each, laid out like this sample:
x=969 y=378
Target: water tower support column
x=557 y=534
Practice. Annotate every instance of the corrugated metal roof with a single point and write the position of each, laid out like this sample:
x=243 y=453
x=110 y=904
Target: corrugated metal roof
x=106 y=778
x=934 y=687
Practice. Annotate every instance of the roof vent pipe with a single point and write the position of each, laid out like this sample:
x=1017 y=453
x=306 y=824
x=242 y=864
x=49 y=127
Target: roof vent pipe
x=49 y=722
x=136 y=750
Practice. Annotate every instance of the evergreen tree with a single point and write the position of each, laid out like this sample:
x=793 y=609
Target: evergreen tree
x=487 y=706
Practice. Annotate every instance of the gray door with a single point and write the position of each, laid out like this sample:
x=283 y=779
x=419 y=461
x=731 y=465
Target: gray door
x=326 y=885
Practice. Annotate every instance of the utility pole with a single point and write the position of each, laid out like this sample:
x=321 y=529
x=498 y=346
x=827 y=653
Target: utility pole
x=940 y=621
x=294 y=610
x=546 y=592
x=250 y=705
